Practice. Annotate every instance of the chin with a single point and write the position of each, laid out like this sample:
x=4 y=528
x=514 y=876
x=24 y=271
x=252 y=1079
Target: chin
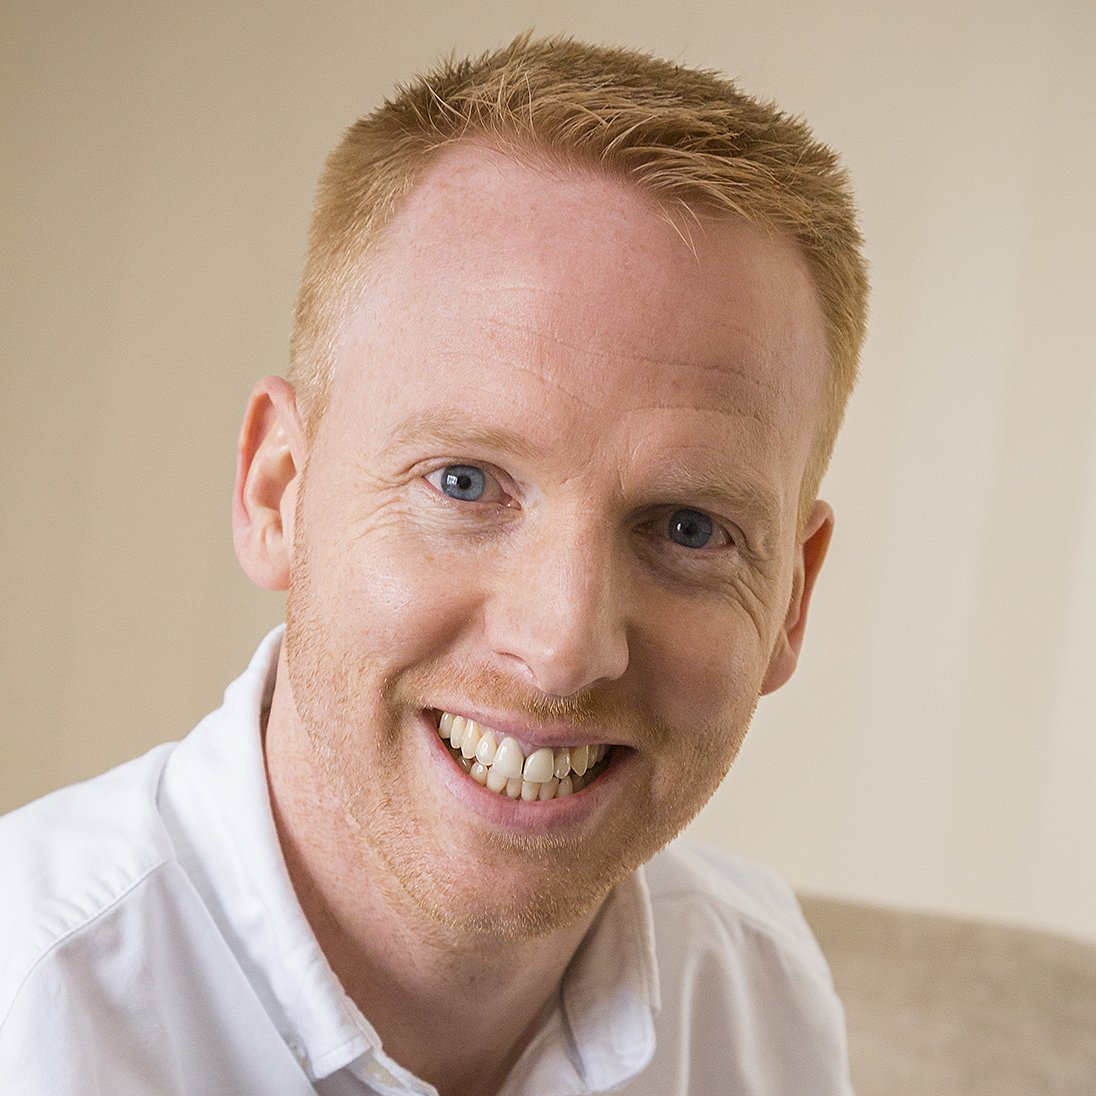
x=512 y=895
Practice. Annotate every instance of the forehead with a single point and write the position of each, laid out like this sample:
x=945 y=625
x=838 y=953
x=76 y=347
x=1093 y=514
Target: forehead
x=540 y=282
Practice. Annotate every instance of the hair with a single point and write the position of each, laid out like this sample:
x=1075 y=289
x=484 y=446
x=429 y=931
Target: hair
x=688 y=137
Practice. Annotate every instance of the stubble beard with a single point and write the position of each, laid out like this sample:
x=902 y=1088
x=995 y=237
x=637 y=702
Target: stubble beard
x=348 y=710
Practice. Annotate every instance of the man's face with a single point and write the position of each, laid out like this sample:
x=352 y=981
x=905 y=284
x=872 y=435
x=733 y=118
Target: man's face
x=555 y=492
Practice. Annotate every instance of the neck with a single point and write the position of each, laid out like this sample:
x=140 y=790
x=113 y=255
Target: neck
x=456 y=1008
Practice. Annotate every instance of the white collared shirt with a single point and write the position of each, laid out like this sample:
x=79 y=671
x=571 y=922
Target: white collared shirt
x=151 y=944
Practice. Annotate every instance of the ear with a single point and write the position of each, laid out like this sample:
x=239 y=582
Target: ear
x=269 y=457
x=809 y=557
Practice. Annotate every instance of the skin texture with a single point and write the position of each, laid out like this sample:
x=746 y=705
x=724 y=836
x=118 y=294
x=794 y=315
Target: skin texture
x=604 y=367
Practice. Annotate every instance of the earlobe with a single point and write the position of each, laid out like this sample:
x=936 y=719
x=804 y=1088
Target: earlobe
x=809 y=558
x=269 y=457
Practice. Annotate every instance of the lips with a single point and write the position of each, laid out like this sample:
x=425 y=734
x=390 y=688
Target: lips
x=501 y=764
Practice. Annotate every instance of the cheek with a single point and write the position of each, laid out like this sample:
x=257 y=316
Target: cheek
x=705 y=689
x=706 y=670
x=395 y=599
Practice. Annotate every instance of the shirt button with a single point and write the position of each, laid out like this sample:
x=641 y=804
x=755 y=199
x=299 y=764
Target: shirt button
x=297 y=1050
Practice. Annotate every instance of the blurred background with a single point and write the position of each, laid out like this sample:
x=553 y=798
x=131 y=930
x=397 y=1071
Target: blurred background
x=937 y=748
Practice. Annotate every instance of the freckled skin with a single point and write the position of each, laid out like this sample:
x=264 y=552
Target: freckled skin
x=561 y=307
x=638 y=376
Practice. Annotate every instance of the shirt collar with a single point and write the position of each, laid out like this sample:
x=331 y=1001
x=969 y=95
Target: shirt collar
x=216 y=804
x=611 y=992
x=601 y=1033
x=215 y=800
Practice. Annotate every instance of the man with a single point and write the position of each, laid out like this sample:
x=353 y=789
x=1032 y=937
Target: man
x=573 y=343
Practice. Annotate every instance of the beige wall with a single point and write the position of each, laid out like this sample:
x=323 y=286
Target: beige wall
x=938 y=747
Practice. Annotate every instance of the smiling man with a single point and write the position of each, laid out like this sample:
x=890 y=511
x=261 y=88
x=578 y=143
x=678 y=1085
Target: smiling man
x=573 y=343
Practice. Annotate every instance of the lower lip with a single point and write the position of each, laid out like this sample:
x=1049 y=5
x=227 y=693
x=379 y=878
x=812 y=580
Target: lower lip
x=518 y=814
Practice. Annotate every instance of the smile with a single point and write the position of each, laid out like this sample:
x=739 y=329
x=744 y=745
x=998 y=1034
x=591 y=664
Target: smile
x=499 y=763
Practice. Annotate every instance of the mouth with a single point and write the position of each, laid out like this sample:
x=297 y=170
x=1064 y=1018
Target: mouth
x=504 y=766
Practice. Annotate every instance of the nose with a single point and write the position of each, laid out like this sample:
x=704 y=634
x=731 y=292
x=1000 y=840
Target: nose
x=557 y=610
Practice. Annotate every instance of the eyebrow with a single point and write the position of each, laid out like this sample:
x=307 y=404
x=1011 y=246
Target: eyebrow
x=449 y=430
x=752 y=500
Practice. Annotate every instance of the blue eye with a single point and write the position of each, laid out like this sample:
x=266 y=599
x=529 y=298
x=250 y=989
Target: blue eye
x=690 y=528
x=463 y=481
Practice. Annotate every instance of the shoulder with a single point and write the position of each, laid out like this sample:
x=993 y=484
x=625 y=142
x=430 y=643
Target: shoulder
x=747 y=1000
x=705 y=899
x=74 y=854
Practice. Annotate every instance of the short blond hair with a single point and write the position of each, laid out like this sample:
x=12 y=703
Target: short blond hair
x=689 y=137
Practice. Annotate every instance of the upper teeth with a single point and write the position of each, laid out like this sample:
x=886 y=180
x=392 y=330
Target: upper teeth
x=502 y=766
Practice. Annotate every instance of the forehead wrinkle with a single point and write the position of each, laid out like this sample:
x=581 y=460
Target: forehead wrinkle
x=754 y=413
x=509 y=362
x=551 y=382
x=531 y=332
